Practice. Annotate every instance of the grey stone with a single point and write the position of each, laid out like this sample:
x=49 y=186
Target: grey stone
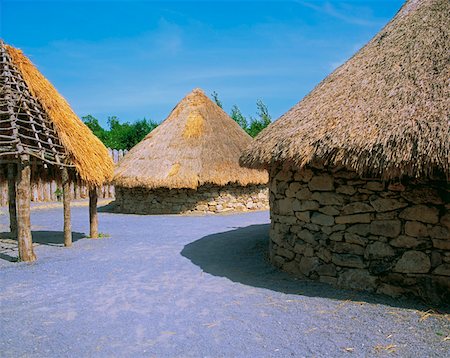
x=306 y=236
x=409 y=242
x=326 y=270
x=390 y=290
x=413 y=262
x=421 y=213
x=388 y=228
x=336 y=236
x=285 y=206
x=356 y=208
x=423 y=195
x=305 y=205
x=346 y=189
x=325 y=198
x=303 y=194
x=382 y=205
x=303 y=216
x=324 y=254
x=329 y=210
x=346 y=248
x=441 y=244
x=357 y=279
x=328 y=280
x=416 y=229
x=439 y=232
x=348 y=260
x=378 y=250
x=353 y=219
x=303 y=175
x=445 y=221
x=360 y=229
x=278 y=261
x=443 y=270
x=339 y=227
x=308 y=264
x=352 y=238
x=436 y=258
x=284 y=175
x=286 y=253
x=321 y=183
x=375 y=186
x=322 y=219
x=299 y=248
x=312 y=227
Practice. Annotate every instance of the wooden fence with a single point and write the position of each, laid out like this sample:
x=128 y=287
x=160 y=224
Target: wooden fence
x=44 y=190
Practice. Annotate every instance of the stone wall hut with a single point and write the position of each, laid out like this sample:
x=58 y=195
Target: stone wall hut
x=190 y=163
x=359 y=169
x=41 y=135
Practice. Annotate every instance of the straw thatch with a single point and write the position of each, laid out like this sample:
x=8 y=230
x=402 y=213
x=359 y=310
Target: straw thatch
x=385 y=112
x=197 y=144
x=85 y=151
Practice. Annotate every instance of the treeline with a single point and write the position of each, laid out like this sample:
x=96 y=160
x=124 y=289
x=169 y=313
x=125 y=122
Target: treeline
x=126 y=135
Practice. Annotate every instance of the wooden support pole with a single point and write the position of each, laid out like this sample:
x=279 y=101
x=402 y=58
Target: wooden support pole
x=93 y=217
x=66 y=207
x=24 y=237
x=12 y=199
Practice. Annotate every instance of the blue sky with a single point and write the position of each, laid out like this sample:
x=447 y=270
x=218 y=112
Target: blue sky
x=137 y=59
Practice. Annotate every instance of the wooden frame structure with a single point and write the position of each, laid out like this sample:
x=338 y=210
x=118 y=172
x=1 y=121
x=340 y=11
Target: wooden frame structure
x=28 y=139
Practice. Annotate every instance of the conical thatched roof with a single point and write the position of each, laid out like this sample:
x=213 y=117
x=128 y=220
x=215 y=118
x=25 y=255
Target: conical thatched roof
x=197 y=144
x=36 y=120
x=385 y=112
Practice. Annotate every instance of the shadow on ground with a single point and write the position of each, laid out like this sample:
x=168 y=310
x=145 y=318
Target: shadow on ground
x=8 y=245
x=241 y=255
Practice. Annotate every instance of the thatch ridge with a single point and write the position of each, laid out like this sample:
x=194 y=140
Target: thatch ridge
x=90 y=157
x=385 y=112
x=197 y=144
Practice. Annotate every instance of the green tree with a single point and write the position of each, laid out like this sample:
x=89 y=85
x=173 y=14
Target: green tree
x=263 y=120
x=216 y=99
x=238 y=117
x=120 y=135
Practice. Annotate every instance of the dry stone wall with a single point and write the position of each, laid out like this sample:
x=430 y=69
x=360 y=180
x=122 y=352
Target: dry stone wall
x=335 y=227
x=206 y=199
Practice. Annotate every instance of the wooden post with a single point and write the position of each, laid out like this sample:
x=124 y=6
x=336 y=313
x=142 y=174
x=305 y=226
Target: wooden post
x=24 y=237
x=66 y=207
x=93 y=217
x=12 y=200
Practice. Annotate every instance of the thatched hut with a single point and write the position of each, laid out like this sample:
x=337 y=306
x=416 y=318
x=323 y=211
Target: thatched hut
x=40 y=133
x=190 y=163
x=359 y=169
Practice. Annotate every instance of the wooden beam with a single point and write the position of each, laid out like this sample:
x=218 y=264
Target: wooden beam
x=12 y=199
x=24 y=237
x=66 y=207
x=93 y=217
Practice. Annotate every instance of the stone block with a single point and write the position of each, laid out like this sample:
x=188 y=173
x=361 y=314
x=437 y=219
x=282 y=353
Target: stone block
x=303 y=216
x=303 y=194
x=336 y=236
x=307 y=236
x=326 y=270
x=288 y=254
x=375 y=186
x=422 y=213
x=348 y=260
x=285 y=206
x=382 y=205
x=328 y=280
x=424 y=195
x=303 y=175
x=409 y=242
x=445 y=221
x=278 y=261
x=388 y=228
x=439 y=232
x=329 y=210
x=308 y=264
x=325 y=198
x=441 y=244
x=346 y=189
x=321 y=183
x=358 y=280
x=443 y=270
x=352 y=238
x=322 y=219
x=346 y=248
x=390 y=290
x=305 y=205
x=416 y=229
x=413 y=262
x=283 y=175
x=356 y=208
x=378 y=250
x=353 y=219
x=360 y=229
